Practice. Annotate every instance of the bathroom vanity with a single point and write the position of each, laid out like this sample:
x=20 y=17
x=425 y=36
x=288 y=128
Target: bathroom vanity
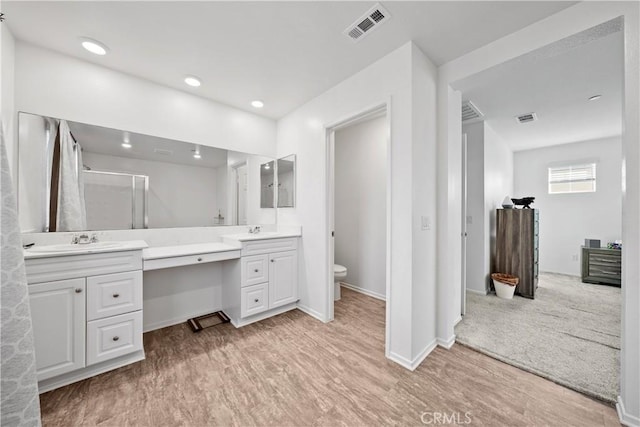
x=265 y=280
x=87 y=300
x=86 y=309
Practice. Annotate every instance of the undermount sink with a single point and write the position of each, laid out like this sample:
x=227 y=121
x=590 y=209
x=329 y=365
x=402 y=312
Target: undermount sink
x=75 y=247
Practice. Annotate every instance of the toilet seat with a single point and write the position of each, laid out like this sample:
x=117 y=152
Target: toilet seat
x=339 y=269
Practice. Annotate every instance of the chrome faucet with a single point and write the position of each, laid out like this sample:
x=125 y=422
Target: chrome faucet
x=254 y=230
x=83 y=239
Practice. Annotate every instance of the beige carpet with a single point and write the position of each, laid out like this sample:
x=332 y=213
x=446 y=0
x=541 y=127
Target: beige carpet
x=569 y=334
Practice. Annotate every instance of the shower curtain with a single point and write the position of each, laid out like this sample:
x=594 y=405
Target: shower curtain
x=72 y=215
x=20 y=404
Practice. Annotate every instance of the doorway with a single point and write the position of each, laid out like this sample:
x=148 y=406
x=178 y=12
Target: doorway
x=358 y=205
x=240 y=193
x=570 y=331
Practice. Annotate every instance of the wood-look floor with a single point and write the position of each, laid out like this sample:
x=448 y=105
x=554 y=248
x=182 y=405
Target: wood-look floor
x=292 y=370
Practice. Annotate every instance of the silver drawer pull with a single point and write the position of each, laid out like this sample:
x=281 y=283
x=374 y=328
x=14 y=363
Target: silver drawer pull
x=199 y=259
x=116 y=295
x=116 y=338
x=78 y=290
x=609 y=273
x=256 y=300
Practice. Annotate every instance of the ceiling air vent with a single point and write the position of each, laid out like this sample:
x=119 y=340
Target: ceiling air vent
x=526 y=118
x=163 y=152
x=364 y=25
x=470 y=112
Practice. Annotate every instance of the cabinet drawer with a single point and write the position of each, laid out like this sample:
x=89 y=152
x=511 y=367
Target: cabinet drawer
x=255 y=269
x=178 y=261
x=113 y=337
x=258 y=247
x=114 y=294
x=254 y=299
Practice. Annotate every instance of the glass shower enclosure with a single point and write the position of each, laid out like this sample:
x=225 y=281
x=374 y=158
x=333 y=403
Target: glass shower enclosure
x=116 y=201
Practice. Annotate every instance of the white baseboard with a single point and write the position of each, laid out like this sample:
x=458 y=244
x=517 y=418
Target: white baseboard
x=311 y=312
x=89 y=371
x=626 y=418
x=413 y=364
x=448 y=343
x=458 y=320
x=477 y=292
x=261 y=316
x=364 y=291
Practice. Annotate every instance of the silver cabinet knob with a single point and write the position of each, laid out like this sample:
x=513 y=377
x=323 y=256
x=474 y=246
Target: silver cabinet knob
x=273 y=260
x=256 y=270
x=116 y=338
x=78 y=290
x=256 y=300
x=199 y=259
x=116 y=295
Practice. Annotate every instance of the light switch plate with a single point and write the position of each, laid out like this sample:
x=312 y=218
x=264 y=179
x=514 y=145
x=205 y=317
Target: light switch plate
x=426 y=223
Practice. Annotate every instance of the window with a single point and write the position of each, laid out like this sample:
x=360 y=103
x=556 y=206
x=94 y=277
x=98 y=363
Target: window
x=572 y=179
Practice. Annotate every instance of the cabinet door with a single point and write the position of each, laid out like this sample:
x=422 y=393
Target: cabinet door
x=58 y=315
x=283 y=278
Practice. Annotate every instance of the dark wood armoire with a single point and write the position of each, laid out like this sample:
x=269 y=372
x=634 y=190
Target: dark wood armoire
x=517 y=233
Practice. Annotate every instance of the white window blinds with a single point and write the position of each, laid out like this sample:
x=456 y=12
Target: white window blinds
x=572 y=179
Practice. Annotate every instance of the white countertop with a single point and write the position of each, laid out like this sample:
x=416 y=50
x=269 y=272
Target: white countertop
x=263 y=235
x=83 y=249
x=188 y=249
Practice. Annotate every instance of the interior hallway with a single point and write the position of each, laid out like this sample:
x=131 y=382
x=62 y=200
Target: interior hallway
x=294 y=370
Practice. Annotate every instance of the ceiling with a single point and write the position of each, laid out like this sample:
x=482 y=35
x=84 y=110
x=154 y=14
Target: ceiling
x=101 y=140
x=283 y=53
x=555 y=83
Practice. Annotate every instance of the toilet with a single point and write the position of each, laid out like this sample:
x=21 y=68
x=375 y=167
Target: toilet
x=339 y=273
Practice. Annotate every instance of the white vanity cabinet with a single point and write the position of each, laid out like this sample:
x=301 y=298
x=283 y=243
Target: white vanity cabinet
x=264 y=282
x=58 y=317
x=86 y=311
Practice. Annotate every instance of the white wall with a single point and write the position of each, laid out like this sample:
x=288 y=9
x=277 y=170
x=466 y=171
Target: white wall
x=498 y=183
x=360 y=210
x=412 y=136
x=475 y=267
x=7 y=101
x=565 y=23
x=179 y=195
x=567 y=219
x=489 y=180
x=424 y=77
x=55 y=85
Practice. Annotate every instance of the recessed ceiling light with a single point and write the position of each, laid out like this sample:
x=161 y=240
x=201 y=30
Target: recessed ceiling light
x=595 y=97
x=192 y=81
x=257 y=104
x=94 y=46
x=196 y=153
x=126 y=141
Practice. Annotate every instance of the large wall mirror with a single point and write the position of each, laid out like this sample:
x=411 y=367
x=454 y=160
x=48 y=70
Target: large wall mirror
x=74 y=176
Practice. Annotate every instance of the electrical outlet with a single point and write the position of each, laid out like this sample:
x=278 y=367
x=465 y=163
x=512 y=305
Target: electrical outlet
x=574 y=257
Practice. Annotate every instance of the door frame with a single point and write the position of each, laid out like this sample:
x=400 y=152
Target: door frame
x=377 y=110
x=463 y=278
